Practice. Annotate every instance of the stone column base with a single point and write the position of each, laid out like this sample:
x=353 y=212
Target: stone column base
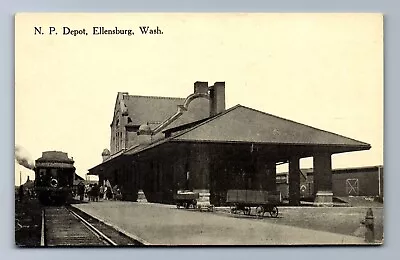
x=141 y=197
x=324 y=199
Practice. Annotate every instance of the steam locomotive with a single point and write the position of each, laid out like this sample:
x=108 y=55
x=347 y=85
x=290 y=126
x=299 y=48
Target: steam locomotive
x=54 y=177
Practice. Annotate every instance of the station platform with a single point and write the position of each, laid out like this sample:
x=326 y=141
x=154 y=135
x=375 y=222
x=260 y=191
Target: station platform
x=159 y=224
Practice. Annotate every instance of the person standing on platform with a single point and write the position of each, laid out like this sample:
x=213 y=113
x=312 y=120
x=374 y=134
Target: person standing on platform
x=105 y=192
x=81 y=191
x=96 y=192
x=109 y=193
x=101 y=192
x=90 y=192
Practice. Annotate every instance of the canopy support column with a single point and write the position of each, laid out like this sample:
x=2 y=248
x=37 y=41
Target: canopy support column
x=323 y=180
x=294 y=181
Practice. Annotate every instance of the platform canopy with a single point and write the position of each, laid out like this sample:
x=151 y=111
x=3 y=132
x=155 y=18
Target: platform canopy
x=241 y=124
x=242 y=127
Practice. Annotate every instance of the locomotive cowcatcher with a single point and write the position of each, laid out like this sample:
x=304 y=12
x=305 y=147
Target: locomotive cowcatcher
x=54 y=177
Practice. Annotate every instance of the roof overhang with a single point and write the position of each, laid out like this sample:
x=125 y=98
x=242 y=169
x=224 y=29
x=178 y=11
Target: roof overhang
x=246 y=128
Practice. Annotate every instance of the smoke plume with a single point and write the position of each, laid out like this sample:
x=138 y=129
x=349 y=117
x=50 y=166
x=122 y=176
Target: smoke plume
x=23 y=158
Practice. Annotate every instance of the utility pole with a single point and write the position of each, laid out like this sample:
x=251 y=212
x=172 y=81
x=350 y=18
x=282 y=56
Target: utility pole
x=20 y=178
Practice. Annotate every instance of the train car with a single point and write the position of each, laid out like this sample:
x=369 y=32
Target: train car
x=54 y=177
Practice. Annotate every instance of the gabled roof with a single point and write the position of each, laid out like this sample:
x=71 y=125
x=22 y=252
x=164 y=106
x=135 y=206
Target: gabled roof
x=154 y=110
x=243 y=124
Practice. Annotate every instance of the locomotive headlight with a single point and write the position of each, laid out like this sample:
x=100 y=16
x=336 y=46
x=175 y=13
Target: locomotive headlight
x=53 y=183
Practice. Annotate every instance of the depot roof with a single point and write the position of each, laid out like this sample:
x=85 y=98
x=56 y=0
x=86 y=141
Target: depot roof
x=142 y=109
x=241 y=124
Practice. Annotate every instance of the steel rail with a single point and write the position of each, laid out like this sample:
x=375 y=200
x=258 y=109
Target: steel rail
x=42 y=239
x=93 y=229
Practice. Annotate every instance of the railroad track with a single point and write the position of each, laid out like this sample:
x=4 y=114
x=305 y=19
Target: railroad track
x=63 y=226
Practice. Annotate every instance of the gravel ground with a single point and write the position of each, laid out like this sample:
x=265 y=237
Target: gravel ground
x=342 y=220
x=166 y=225
x=27 y=223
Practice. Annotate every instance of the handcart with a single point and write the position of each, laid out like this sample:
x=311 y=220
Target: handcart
x=263 y=201
x=186 y=199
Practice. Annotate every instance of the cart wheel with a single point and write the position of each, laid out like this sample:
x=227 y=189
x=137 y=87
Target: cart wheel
x=260 y=211
x=274 y=212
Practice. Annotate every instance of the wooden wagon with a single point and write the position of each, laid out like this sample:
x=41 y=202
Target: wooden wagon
x=186 y=199
x=263 y=201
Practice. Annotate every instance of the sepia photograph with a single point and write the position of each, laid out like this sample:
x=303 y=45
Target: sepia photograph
x=199 y=129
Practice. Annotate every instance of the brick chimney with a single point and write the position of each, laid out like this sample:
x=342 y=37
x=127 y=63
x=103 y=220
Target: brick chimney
x=217 y=98
x=200 y=87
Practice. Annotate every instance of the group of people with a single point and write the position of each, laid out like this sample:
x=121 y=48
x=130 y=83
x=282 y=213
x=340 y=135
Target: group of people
x=25 y=193
x=95 y=192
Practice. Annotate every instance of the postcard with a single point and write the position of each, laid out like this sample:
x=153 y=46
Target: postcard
x=198 y=129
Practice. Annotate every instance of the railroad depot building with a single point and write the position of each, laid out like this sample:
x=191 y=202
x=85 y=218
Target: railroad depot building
x=161 y=145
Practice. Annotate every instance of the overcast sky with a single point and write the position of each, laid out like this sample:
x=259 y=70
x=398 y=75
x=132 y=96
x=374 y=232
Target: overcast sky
x=321 y=70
